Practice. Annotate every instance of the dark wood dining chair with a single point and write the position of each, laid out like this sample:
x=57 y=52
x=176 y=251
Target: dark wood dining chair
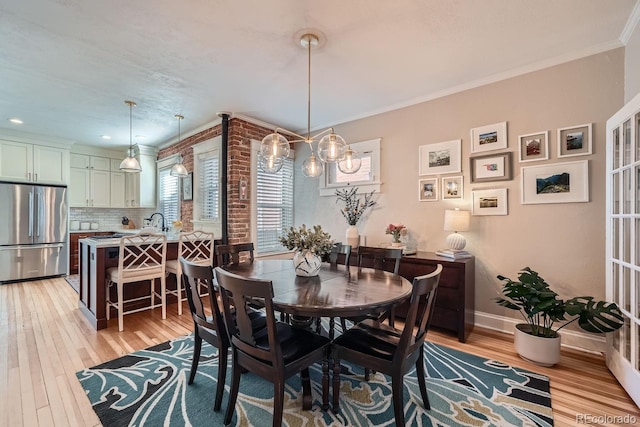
x=337 y=250
x=382 y=259
x=275 y=354
x=210 y=328
x=385 y=259
x=389 y=350
x=234 y=253
x=334 y=258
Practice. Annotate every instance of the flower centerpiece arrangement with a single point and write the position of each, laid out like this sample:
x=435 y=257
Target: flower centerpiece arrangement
x=311 y=246
x=354 y=208
x=396 y=231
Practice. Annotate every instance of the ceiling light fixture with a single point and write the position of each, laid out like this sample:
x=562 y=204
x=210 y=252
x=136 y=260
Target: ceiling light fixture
x=130 y=163
x=16 y=121
x=105 y=136
x=351 y=162
x=178 y=169
x=331 y=147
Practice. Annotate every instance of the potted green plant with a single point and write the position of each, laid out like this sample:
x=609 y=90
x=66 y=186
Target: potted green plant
x=311 y=245
x=538 y=339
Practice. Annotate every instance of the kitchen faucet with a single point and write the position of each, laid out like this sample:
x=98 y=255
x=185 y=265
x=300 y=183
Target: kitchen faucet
x=164 y=225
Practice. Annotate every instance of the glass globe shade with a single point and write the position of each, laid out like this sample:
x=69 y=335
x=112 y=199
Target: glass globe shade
x=276 y=145
x=270 y=164
x=312 y=167
x=332 y=148
x=351 y=162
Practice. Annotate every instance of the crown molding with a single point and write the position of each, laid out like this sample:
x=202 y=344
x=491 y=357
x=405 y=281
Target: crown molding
x=631 y=24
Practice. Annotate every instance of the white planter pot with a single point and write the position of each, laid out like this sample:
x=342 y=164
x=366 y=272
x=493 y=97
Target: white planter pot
x=353 y=237
x=306 y=263
x=538 y=350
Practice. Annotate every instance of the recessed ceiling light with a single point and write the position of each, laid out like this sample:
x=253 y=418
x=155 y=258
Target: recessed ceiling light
x=16 y=121
x=140 y=137
x=105 y=137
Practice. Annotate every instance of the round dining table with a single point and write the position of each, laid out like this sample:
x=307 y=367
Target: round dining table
x=337 y=291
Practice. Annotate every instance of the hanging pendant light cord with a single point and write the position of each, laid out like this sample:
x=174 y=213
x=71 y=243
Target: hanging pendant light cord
x=308 y=87
x=130 y=128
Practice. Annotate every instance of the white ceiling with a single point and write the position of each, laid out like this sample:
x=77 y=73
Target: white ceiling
x=66 y=66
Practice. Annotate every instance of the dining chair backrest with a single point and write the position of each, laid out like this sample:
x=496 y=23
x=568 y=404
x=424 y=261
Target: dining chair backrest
x=423 y=296
x=386 y=259
x=239 y=294
x=231 y=254
x=195 y=276
x=197 y=247
x=339 y=249
x=142 y=256
x=282 y=352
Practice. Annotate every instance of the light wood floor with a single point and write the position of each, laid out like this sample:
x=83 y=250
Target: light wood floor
x=45 y=340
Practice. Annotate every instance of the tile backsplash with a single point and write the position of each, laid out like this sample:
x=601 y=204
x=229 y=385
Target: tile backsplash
x=109 y=219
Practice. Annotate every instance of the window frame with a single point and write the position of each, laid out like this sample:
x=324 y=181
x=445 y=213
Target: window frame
x=255 y=146
x=372 y=147
x=210 y=145
x=163 y=165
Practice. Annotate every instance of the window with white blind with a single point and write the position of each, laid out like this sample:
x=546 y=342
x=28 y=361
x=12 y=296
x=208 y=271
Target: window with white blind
x=168 y=192
x=206 y=186
x=273 y=205
x=209 y=186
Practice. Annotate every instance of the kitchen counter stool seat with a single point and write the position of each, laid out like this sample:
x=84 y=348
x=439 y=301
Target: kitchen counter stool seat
x=195 y=247
x=141 y=257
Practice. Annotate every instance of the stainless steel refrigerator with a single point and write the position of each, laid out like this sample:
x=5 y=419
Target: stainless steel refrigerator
x=33 y=231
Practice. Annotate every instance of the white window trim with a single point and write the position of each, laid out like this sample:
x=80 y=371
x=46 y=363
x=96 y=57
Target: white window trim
x=200 y=148
x=255 y=147
x=162 y=164
x=372 y=146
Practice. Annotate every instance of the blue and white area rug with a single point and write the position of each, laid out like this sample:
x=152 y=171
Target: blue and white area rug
x=149 y=387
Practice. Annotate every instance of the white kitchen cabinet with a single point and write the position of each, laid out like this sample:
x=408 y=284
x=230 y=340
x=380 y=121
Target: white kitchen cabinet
x=21 y=162
x=82 y=161
x=118 y=189
x=90 y=188
x=141 y=187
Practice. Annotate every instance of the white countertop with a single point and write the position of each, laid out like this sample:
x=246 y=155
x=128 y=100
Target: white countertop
x=114 y=242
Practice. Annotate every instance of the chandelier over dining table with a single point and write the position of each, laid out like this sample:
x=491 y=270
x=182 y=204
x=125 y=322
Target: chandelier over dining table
x=331 y=147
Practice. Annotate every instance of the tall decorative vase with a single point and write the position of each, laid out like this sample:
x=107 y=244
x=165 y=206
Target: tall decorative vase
x=353 y=238
x=306 y=263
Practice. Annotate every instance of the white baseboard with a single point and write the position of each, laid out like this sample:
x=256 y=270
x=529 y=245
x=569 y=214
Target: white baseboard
x=592 y=343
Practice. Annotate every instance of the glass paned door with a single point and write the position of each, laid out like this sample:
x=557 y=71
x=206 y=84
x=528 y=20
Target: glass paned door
x=623 y=243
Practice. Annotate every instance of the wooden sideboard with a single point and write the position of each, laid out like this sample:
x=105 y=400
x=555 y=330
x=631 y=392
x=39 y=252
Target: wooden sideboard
x=454 y=306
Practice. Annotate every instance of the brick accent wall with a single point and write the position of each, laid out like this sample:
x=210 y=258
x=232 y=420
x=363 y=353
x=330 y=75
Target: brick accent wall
x=239 y=167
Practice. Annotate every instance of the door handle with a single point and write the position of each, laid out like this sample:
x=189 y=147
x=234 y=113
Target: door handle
x=28 y=176
x=30 y=213
x=35 y=177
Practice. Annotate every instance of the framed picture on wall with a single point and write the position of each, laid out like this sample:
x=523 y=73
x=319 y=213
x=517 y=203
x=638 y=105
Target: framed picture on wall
x=441 y=157
x=533 y=147
x=491 y=167
x=452 y=187
x=489 y=137
x=428 y=190
x=557 y=183
x=574 y=141
x=489 y=202
x=187 y=187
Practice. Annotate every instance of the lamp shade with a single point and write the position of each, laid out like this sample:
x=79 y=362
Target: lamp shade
x=456 y=220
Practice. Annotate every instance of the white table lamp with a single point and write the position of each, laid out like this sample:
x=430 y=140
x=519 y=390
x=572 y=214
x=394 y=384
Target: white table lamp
x=456 y=220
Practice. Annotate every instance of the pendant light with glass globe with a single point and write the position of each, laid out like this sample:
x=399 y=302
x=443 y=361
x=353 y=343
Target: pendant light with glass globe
x=130 y=163
x=331 y=147
x=179 y=170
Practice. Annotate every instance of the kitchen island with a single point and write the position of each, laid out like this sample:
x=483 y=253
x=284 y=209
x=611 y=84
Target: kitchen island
x=96 y=256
